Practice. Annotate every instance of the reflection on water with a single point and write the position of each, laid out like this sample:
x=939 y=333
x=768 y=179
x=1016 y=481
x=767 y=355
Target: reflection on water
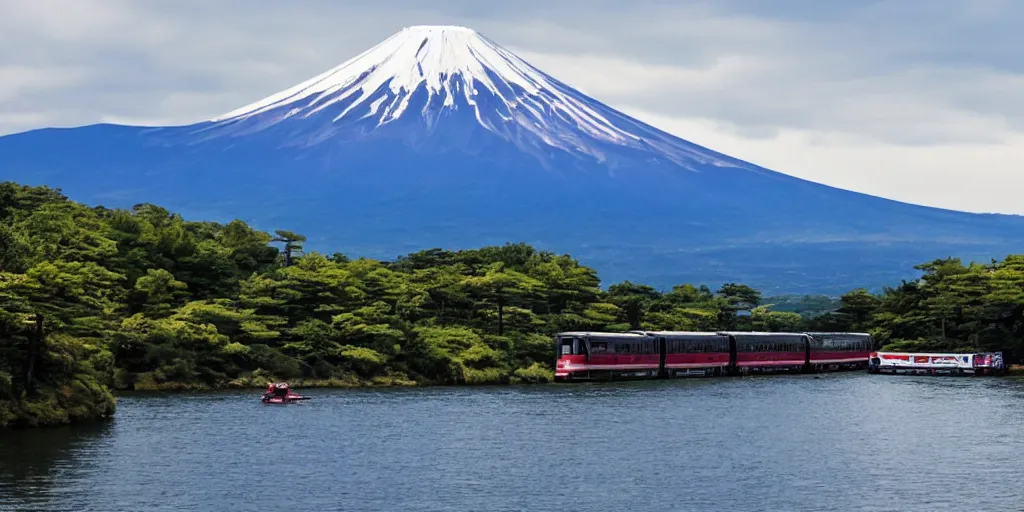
x=33 y=462
x=832 y=442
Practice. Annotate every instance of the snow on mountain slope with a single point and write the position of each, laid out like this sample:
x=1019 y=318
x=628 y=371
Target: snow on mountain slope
x=430 y=72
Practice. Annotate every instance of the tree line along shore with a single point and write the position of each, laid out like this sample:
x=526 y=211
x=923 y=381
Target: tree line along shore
x=95 y=300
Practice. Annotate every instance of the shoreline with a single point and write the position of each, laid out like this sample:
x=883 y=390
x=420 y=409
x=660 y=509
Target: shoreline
x=298 y=385
x=391 y=382
x=1013 y=371
x=176 y=388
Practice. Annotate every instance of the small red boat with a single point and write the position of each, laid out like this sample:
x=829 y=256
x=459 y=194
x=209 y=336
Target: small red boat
x=280 y=394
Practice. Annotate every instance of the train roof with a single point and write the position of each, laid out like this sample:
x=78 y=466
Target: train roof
x=823 y=333
x=935 y=354
x=600 y=334
x=680 y=333
x=746 y=333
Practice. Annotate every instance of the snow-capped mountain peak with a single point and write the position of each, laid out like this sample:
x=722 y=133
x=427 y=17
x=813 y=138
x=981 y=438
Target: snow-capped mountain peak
x=434 y=72
x=418 y=55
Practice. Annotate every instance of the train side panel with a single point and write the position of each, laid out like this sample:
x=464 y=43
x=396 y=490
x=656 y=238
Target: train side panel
x=840 y=350
x=770 y=351
x=695 y=354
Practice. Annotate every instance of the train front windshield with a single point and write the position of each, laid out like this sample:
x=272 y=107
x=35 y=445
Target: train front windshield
x=569 y=346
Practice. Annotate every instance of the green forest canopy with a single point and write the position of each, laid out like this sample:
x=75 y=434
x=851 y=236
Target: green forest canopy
x=143 y=299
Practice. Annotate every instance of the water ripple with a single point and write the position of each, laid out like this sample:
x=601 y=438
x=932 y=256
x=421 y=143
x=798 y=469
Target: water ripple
x=841 y=442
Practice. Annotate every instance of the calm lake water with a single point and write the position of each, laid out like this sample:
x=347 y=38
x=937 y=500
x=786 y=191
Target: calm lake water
x=839 y=442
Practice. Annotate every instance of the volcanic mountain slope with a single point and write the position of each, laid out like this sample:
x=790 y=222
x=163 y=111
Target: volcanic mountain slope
x=439 y=137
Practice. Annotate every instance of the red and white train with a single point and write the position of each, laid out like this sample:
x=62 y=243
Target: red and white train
x=667 y=354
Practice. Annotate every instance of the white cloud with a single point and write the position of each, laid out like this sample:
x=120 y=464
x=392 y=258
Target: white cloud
x=981 y=177
x=19 y=80
x=916 y=101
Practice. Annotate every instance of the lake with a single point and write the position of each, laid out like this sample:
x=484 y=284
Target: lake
x=830 y=442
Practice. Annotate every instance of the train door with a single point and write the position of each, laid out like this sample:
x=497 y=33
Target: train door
x=732 y=368
x=584 y=348
x=807 y=340
x=662 y=371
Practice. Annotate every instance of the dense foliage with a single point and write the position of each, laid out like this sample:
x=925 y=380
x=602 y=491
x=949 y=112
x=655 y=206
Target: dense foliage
x=94 y=298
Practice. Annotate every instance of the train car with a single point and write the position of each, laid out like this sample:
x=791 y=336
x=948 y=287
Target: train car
x=665 y=354
x=692 y=353
x=768 y=352
x=602 y=355
x=839 y=350
x=915 y=363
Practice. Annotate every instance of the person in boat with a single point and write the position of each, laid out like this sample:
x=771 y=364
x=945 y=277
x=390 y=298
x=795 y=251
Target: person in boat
x=280 y=389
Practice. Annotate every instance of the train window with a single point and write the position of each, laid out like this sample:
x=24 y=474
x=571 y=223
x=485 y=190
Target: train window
x=597 y=347
x=567 y=346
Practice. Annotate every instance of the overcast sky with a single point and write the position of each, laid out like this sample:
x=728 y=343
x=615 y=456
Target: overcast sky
x=918 y=100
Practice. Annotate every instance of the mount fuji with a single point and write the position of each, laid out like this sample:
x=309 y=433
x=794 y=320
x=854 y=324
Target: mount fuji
x=440 y=137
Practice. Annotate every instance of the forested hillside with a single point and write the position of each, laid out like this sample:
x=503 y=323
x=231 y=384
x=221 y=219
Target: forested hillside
x=93 y=299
